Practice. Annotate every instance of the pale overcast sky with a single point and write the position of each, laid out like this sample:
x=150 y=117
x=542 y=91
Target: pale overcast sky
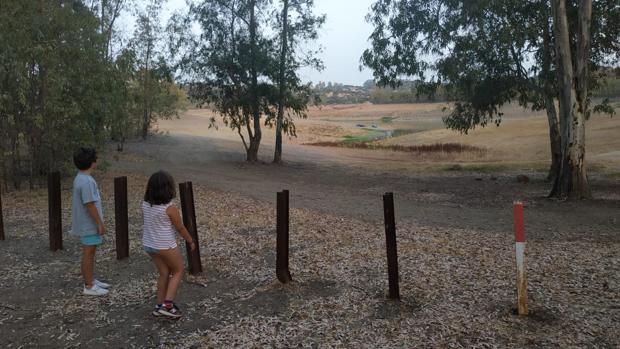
x=343 y=38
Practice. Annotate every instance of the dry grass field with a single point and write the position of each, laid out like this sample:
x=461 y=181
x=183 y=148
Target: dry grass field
x=521 y=141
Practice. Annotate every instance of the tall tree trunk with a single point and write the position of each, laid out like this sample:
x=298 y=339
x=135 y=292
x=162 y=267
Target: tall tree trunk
x=572 y=181
x=277 y=157
x=581 y=187
x=115 y=13
x=103 y=6
x=555 y=140
x=3 y=171
x=252 y=153
x=15 y=166
x=146 y=122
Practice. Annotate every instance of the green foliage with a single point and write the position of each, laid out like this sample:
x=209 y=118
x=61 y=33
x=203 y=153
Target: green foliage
x=155 y=89
x=485 y=53
x=368 y=135
x=230 y=63
x=219 y=65
x=605 y=107
x=609 y=84
x=52 y=74
x=60 y=88
x=381 y=95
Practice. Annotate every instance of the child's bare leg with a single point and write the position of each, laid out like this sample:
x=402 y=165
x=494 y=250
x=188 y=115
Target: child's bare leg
x=164 y=275
x=88 y=264
x=174 y=261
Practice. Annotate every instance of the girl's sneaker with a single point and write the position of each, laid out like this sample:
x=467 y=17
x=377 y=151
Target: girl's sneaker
x=156 y=310
x=172 y=312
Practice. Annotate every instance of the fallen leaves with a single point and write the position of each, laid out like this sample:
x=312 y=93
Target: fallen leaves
x=457 y=286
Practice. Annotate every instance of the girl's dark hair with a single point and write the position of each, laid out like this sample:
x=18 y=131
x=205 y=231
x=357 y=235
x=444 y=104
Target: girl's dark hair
x=161 y=189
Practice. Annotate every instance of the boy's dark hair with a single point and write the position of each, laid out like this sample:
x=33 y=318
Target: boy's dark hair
x=84 y=158
x=160 y=190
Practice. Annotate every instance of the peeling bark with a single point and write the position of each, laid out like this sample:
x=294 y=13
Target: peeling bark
x=572 y=181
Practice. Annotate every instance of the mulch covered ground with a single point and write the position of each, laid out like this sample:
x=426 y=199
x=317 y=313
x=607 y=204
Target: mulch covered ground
x=457 y=286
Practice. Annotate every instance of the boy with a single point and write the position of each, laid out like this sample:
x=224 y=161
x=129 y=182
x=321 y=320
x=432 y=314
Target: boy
x=87 y=218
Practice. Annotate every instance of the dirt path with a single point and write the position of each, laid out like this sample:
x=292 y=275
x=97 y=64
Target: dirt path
x=351 y=182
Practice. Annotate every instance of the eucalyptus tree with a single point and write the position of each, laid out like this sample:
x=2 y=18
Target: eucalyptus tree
x=146 y=44
x=297 y=26
x=489 y=53
x=225 y=58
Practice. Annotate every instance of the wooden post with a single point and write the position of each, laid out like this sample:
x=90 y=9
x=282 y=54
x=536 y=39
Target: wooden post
x=282 y=237
x=520 y=257
x=1 y=221
x=287 y=222
x=55 y=210
x=390 y=243
x=121 y=218
x=186 y=193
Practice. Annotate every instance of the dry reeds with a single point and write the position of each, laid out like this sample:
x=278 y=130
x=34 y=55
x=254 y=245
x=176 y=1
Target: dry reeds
x=447 y=148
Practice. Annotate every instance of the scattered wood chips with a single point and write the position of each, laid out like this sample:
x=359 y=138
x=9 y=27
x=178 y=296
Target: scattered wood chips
x=457 y=286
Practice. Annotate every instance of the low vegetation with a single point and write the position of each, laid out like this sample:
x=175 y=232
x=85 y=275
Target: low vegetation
x=443 y=148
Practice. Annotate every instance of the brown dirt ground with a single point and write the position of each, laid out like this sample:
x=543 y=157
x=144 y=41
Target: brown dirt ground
x=455 y=252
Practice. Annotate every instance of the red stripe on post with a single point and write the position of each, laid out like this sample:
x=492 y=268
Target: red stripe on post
x=519 y=225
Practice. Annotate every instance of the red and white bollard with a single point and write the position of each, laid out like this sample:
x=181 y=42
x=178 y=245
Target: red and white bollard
x=520 y=256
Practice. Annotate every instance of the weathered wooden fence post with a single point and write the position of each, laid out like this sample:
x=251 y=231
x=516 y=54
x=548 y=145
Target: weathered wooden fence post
x=186 y=193
x=55 y=210
x=1 y=221
x=390 y=242
x=282 y=237
x=519 y=227
x=121 y=217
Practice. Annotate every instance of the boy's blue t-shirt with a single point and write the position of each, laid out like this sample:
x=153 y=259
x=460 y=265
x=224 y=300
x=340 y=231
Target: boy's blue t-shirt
x=85 y=190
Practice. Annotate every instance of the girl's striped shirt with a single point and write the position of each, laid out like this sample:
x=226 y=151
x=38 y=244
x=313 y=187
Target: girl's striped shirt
x=159 y=232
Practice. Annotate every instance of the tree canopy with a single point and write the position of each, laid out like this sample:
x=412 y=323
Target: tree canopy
x=239 y=66
x=61 y=86
x=485 y=54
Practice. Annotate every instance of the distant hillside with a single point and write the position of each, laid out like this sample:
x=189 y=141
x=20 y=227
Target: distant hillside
x=335 y=93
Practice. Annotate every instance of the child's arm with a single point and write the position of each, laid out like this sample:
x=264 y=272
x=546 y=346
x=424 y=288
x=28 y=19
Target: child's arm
x=175 y=217
x=94 y=214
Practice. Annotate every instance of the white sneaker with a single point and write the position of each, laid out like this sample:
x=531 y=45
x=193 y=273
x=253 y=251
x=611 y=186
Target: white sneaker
x=95 y=291
x=101 y=284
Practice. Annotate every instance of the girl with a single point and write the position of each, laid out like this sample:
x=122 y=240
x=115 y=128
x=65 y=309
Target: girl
x=161 y=220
